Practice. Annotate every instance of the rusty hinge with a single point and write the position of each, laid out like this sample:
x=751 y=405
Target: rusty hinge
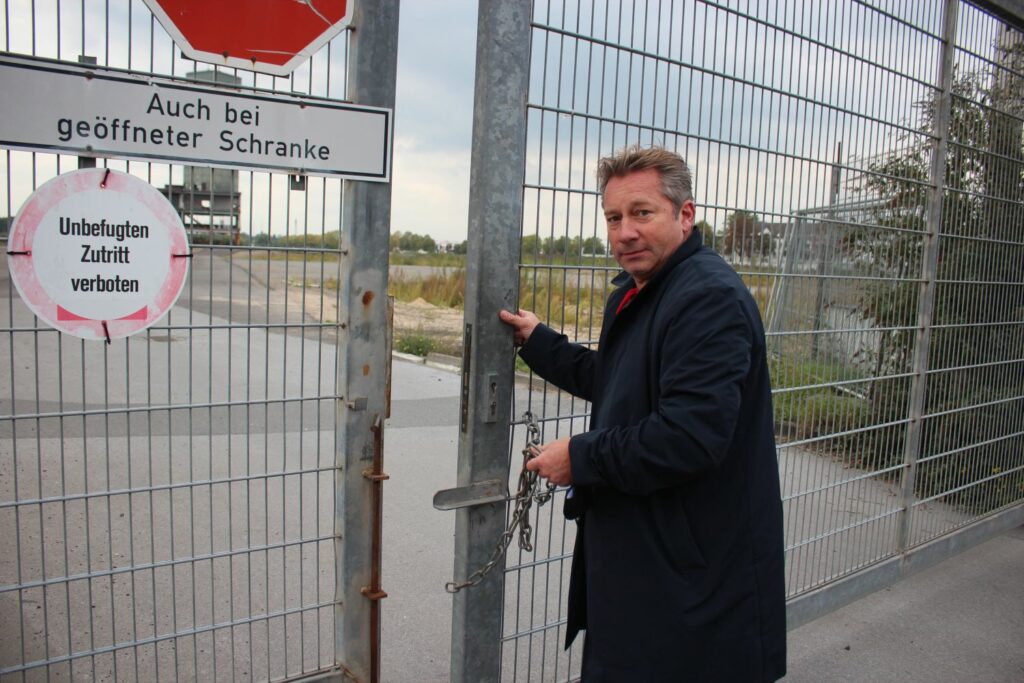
x=373 y=594
x=372 y=476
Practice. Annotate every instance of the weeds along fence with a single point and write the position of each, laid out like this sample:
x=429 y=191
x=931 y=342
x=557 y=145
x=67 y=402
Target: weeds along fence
x=861 y=165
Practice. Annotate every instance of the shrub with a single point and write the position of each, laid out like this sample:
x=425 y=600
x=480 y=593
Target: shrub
x=417 y=344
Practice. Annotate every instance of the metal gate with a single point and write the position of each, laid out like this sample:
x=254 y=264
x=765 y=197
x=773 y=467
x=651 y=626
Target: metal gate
x=860 y=164
x=196 y=502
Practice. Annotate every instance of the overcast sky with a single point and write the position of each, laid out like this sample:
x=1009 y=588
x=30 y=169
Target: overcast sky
x=434 y=102
x=434 y=117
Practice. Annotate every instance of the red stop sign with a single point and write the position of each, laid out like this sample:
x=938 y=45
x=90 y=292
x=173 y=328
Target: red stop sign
x=270 y=36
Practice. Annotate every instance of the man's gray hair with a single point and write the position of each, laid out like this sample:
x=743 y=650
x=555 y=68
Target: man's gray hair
x=676 y=183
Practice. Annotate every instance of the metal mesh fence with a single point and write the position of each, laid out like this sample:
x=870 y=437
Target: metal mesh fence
x=167 y=501
x=817 y=132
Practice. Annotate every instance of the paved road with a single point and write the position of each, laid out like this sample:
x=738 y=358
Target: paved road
x=171 y=482
x=421 y=449
x=962 y=620
x=966 y=615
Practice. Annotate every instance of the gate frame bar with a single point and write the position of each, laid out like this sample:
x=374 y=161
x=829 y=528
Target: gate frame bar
x=363 y=363
x=492 y=283
x=929 y=274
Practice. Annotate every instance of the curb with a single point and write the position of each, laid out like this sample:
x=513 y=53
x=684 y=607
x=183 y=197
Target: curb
x=444 y=362
x=433 y=360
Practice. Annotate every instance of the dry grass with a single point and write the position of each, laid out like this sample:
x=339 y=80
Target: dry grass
x=446 y=288
x=569 y=299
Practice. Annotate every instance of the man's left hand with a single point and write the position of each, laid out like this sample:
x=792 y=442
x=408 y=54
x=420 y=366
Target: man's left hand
x=553 y=462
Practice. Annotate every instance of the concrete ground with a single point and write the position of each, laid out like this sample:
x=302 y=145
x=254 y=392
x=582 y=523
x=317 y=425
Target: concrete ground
x=961 y=620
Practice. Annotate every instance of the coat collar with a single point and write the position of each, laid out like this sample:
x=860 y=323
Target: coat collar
x=625 y=281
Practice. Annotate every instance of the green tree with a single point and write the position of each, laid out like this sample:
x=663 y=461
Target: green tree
x=706 y=230
x=409 y=241
x=593 y=245
x=530 y=246
x=555 y=246
x=570 y=249
x=742 y=234
x=979 y=262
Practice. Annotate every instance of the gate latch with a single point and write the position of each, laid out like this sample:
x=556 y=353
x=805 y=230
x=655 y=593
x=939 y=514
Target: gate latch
x=480 y=493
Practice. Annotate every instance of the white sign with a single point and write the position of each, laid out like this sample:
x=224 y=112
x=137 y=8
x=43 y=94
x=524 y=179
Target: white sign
x=98 y=253
x=62 y=107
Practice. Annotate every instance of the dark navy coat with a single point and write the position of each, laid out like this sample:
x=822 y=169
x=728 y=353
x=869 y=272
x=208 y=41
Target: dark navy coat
x=678 y=568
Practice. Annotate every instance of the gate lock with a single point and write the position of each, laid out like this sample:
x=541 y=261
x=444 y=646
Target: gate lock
x=480 y=493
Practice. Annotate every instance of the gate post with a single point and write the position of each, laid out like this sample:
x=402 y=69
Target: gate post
x=492 y=282
x=929 y=273
x=363 y=360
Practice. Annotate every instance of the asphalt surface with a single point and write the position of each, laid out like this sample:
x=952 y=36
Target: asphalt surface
x=961 y=620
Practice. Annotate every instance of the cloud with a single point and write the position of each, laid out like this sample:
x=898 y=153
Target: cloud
x=434 y=118
x=430 y=190
x=436 y=58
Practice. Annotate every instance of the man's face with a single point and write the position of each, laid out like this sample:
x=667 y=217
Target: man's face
x=643 y=228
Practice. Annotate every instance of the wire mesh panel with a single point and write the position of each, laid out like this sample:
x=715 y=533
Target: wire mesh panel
x=972 y=452
x=167 y=500
x=814 y=131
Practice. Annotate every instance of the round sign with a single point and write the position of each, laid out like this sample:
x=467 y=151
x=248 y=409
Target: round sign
x=98 y=253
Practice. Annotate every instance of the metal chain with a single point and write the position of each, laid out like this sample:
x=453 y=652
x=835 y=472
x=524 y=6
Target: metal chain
x=529 y=490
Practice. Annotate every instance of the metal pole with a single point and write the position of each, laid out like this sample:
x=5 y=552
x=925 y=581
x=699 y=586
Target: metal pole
x=363 y=361
x=495 y=217
x=826 y=250
x=776 y=315
x=86 y=162
x=929 y=269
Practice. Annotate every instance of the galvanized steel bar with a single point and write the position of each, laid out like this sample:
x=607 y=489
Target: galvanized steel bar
x=825 y=249
x=929 y=271
x=364 y=360
x=495 y=213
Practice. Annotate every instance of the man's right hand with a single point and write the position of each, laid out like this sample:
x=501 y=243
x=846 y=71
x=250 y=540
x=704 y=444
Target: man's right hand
x=522 y=323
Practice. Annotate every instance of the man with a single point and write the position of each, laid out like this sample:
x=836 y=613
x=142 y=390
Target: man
x=678 y=569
